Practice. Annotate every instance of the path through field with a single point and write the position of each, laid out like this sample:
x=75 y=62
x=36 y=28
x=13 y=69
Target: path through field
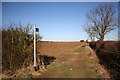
x=73 y=60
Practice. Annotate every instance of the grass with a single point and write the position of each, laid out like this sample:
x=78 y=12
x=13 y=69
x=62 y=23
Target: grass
x=89 y=54
x=19 y=76
x=81 y=49
x=72 y=61
x=89 y=62
x=30 y=76
x=74 y=66
x=83 y=46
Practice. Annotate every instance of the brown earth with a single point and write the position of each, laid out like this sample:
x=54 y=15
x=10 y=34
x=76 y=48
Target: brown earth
x=73 y=60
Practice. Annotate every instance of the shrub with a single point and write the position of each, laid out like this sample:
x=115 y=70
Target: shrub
x=108 y=53
x=81 y=40
x=17 y=47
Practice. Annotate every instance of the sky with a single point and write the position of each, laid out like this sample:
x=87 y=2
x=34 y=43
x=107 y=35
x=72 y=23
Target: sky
x=57 y=21
x=0 y=14
x=60 y=0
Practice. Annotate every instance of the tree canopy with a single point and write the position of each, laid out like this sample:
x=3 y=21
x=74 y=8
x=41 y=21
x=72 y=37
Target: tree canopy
x=100 y=21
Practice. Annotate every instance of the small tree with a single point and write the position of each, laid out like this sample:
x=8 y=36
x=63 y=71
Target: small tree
x=100 y=21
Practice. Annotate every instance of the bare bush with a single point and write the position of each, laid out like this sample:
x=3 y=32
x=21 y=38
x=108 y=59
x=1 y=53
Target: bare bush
x=108 y=53
x=17 y=47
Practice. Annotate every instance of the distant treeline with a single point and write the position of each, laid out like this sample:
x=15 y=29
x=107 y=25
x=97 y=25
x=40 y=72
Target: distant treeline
x=108 y=53
x=17 y=47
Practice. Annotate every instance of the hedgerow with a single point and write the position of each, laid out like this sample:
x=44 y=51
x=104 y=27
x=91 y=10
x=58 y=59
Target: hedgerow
x=17 y=47
x=108 y=53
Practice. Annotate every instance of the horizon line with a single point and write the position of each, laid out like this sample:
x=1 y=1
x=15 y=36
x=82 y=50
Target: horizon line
x=78 y=41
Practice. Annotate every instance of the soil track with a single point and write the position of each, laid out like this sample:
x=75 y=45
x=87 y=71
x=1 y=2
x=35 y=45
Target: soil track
x=73 y=60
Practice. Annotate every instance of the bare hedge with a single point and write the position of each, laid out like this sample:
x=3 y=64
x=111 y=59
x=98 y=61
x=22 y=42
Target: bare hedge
x=17 y=46
x=108 y=53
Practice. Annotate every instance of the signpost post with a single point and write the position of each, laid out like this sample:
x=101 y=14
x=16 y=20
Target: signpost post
x=35 y=48
x=35 y=30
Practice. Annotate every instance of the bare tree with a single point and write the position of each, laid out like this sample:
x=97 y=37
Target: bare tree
x=100 y=21
x=90 y=33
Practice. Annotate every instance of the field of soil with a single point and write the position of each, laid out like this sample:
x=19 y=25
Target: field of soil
x=72 y=60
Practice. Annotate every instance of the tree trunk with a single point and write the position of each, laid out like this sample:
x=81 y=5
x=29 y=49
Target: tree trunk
x=102 y=38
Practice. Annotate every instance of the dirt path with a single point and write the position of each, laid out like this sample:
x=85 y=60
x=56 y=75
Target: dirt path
x=76 y=62
x=73 y=60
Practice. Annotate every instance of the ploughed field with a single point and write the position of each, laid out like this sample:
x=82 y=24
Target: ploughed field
x=64 y=60
x=73 y=60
